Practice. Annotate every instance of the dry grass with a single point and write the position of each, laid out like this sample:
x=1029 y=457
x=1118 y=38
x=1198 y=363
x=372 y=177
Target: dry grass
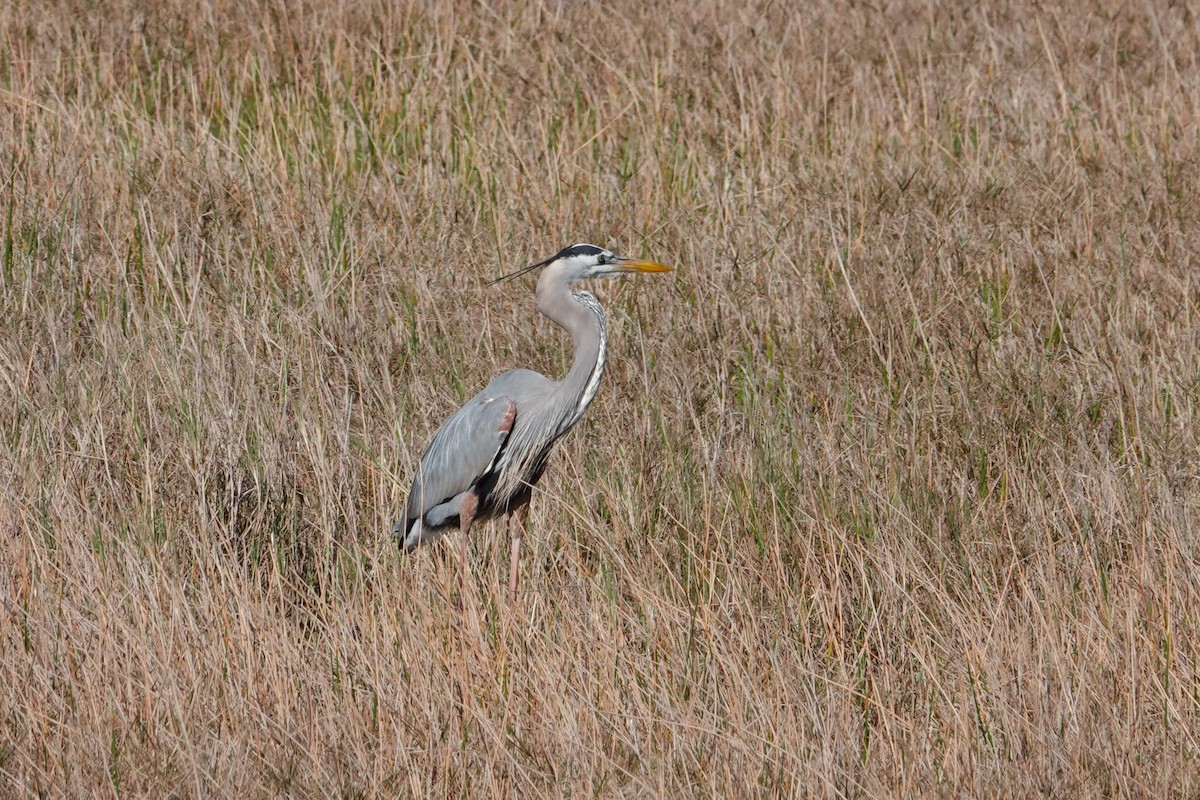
x=890 y=491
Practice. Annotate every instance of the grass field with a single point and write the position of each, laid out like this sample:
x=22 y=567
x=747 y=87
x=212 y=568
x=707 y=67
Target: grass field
x=891 y=490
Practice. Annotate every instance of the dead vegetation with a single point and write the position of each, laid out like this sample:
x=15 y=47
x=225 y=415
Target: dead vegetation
x=891 y=491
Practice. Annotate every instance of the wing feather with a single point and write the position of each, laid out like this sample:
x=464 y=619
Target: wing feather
x=462 y=451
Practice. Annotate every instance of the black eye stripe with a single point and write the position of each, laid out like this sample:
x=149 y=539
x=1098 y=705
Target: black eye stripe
x=579 y=250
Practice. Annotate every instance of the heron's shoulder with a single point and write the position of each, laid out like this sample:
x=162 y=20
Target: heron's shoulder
x=516 y=383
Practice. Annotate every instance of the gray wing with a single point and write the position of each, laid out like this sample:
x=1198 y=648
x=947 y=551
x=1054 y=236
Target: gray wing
x=462 y=451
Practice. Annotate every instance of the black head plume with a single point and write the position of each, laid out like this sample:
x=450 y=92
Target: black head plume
x=566 y=252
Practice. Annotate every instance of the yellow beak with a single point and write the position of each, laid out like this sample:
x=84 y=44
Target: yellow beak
x=637 y=265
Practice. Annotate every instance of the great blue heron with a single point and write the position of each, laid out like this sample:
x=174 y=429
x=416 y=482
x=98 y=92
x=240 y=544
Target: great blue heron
x=486 y=458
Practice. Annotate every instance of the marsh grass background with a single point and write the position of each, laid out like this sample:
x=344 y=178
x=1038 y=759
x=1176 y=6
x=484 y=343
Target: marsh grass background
x=891 y=489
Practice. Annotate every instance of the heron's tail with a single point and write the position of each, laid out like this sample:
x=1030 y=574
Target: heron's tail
x=408 y=534
x=412 y=533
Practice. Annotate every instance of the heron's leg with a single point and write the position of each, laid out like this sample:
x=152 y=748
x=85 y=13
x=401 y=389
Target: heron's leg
x=516 y=524
x=466 y=516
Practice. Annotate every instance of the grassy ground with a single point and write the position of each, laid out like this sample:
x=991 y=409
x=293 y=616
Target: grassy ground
x=891 y=489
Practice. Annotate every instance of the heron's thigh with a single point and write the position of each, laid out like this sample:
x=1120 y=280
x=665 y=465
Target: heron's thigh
x=468 y=505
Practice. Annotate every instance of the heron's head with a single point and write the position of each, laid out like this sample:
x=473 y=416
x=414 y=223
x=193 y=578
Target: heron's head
x=582 y=261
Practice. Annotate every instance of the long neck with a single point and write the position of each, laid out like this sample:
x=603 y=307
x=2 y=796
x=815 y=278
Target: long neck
x=581 y=315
